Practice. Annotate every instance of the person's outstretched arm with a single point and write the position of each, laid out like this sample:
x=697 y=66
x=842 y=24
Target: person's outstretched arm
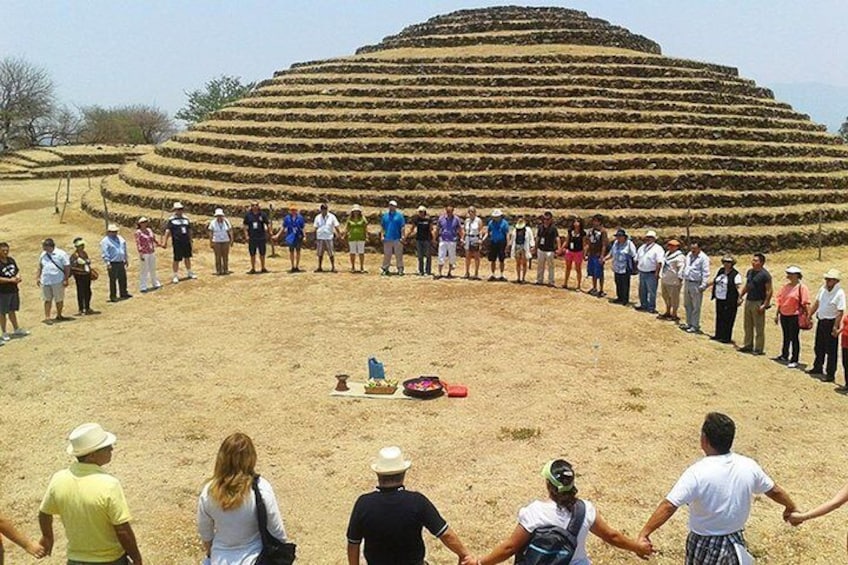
x=780 y=496
x=660 y=516
x=452 y=542
x=10 y=531
x=504 y=550
x=840 y=498
x=641 y=547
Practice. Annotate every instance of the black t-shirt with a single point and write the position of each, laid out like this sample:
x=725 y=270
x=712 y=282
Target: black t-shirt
x=8 y=270
x=423 y=228
x=575 y=240
x=256 y=225
x=520 y=236
x=756 y=285
x=180 y=229
x=390 y=522
x=547 y=240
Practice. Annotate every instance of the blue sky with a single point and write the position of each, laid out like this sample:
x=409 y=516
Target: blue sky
x=130 y=51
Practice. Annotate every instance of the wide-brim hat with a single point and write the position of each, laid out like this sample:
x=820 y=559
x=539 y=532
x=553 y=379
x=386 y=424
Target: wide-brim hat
x=113 y=227
x=793 y=270
x=177 y=206
x=651 y=233
x=673 y=242
x=142 y=219
x=80 y=242
x=390 y=461
x=219 y=212
x=728 y=259
x=833 y=274
x=393 y=203
x=356 y=208
x=88 y=438
x=496 y=213
x=520 y=224
x=422 y=208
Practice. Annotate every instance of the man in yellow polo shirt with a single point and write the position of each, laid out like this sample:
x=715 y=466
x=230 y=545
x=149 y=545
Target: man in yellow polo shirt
x=90 y=503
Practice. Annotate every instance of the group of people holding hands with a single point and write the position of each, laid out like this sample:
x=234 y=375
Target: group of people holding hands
x=238 y=514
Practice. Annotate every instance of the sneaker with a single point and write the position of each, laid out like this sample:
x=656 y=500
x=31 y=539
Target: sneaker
x=142 y=290
x=491 y=278
x=780 y=359
x=384 y=272
x=157 y=286
x=693 y=330
x=191 y=275
x=744 y=350
x=176 y=279
x=5 y=337
x=400 y=273
x=792 y=365
x=20 y=332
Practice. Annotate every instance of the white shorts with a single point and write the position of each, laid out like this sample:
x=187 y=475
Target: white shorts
x=356 y=247
x=447 y=250
x=51 y=292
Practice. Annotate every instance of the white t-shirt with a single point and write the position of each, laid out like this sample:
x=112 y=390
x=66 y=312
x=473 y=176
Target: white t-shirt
x=721 y=284
x=235 y=533
x=220 y=230
x=324 y=226
x=473 y=227
x=541 y=513
x=719 y=490
x=830 y=302
x=648 y=256
x=52 y=266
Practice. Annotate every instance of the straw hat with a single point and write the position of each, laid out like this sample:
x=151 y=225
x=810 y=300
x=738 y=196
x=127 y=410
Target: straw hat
x=422 y=208
x=728 y=259
x=793 y=270
x=521 y=224
x=390 y=461
x=651 y=233
x=356 y=208
x=177 y=206
x=88 y=438
x=113 y=228
x=833 y=274
x=673 y=242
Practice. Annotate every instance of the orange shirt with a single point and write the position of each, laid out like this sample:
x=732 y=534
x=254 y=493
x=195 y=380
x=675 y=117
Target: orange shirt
x=790 y=298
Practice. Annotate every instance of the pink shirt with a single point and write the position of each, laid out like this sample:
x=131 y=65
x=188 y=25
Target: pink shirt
x=144 y=241
x=790 y=298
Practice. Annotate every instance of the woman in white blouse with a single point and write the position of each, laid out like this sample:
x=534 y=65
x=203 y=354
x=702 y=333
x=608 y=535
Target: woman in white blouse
x=556 y=510
x=226 y=512
x=220 y=240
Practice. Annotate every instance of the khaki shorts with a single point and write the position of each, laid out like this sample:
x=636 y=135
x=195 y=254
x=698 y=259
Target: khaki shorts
x=356 y=247
x=53 y=292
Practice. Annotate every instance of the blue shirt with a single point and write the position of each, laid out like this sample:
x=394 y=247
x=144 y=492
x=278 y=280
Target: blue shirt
x=498 y=230
x=294 y=229
x=114 y=249
x=622 y=256
x=392 y=223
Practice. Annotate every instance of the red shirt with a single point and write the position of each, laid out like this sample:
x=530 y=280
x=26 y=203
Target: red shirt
x=144 y=241
x=845 y=332
x=790 y=298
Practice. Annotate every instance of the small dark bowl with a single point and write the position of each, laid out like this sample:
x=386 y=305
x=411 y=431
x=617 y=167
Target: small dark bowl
x=435 y=393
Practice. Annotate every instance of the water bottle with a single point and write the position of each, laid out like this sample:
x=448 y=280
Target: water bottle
x=375 y=369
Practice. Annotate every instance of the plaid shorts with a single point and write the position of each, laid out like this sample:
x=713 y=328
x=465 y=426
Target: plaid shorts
x=713 y=550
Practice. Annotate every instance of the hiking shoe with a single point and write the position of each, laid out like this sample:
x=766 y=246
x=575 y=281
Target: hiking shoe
x=5 y=337
x=792 y=365
x=191 y=275
x=176 y=279
x=20 y=332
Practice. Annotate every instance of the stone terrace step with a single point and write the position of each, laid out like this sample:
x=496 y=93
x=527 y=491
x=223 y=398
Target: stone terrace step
x=76 y=171
x=382 y=91
x=140 y=180
x=485 y=102
x=509 y=116
x=437 y=145
x=517 y=58
x=727 y=85
x=393 y=162
x=496 y=179
x=343 y=130
x=460 y=27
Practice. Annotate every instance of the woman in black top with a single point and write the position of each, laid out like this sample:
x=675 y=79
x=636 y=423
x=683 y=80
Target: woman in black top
x=573 y=249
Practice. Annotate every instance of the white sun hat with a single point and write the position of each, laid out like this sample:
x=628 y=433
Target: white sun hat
x=178 y=206
x=651 y=233
x=833 y=274
x=113 y=227
x=496 y=213
x=219 y=212
x=88 y=438
x=390 y=461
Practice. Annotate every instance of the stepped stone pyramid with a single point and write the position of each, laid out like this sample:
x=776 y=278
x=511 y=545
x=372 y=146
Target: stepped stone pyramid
x=519 y=108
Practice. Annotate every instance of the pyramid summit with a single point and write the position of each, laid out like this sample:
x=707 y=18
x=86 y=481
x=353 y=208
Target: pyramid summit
x=523 y=109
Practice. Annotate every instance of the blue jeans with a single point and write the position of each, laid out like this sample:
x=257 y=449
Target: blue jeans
x=648 y=290
x=422 y=249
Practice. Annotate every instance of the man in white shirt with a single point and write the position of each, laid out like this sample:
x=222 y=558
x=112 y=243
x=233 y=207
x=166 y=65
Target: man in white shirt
x=719 y=490
x=649 y=258
x=829 y=308
x=696 y=277
x=54 y=268
x=326 y=228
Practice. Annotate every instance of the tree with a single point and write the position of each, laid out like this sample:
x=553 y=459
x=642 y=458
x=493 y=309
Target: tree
x=26 y=103
x=132 y=124
x=217 y=93
x=843 y=130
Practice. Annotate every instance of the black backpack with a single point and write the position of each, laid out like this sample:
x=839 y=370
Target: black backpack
x=553 y=545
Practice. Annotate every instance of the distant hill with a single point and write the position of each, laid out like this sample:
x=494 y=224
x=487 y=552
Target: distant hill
x=825 y=103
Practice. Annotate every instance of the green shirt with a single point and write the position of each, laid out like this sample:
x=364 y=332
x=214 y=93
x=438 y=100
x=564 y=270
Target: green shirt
x=356 y=229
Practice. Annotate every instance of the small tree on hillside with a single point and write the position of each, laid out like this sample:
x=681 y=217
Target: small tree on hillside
x=843 y=130
x=217 y=93
x=134 y=124
x=26 y=102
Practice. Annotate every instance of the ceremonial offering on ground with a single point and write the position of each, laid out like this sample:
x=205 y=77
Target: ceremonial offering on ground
x=341 y=386
x=380 y=386
x=423 y=387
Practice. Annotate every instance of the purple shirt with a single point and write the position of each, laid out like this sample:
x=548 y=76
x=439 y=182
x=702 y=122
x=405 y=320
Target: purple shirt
x=449 y=228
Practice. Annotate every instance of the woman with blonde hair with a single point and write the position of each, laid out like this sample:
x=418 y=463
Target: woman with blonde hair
x=227 y=512
x=564 y=510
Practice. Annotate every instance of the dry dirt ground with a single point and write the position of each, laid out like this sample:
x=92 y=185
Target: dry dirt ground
x=616 y=392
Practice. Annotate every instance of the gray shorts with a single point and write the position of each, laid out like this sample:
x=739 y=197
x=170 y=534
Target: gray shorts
x=53 y=292
x=323 y=245
x=10 y=303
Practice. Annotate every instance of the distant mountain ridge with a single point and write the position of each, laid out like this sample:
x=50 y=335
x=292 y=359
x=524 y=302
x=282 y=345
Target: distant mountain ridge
x=825 y=103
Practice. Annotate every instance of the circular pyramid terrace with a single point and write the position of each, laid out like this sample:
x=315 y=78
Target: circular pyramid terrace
x=524 y=109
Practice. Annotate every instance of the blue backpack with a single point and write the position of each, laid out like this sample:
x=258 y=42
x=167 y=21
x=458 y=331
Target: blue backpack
x=553 y=545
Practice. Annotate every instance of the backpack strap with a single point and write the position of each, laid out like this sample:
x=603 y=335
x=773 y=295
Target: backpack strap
x=578 y=515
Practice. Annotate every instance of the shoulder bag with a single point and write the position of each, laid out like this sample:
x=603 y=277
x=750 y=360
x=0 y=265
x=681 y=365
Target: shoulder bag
x=552 y=545
x=804 y=321
x=274 y=551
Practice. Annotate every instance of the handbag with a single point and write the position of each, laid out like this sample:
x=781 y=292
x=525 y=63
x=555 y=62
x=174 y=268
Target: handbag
x=94 y=274
x=804 y=321
x=274 y=551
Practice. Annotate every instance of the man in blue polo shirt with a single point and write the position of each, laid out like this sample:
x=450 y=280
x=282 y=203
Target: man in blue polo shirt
x=392 y=224
x=497 y=231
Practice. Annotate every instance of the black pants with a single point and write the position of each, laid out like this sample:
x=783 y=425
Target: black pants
x=83 y=292
x=622 y=288
x=725 y=318
x=791 y=339
x=845 y=364
x=117 y=280
x=826 y=346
